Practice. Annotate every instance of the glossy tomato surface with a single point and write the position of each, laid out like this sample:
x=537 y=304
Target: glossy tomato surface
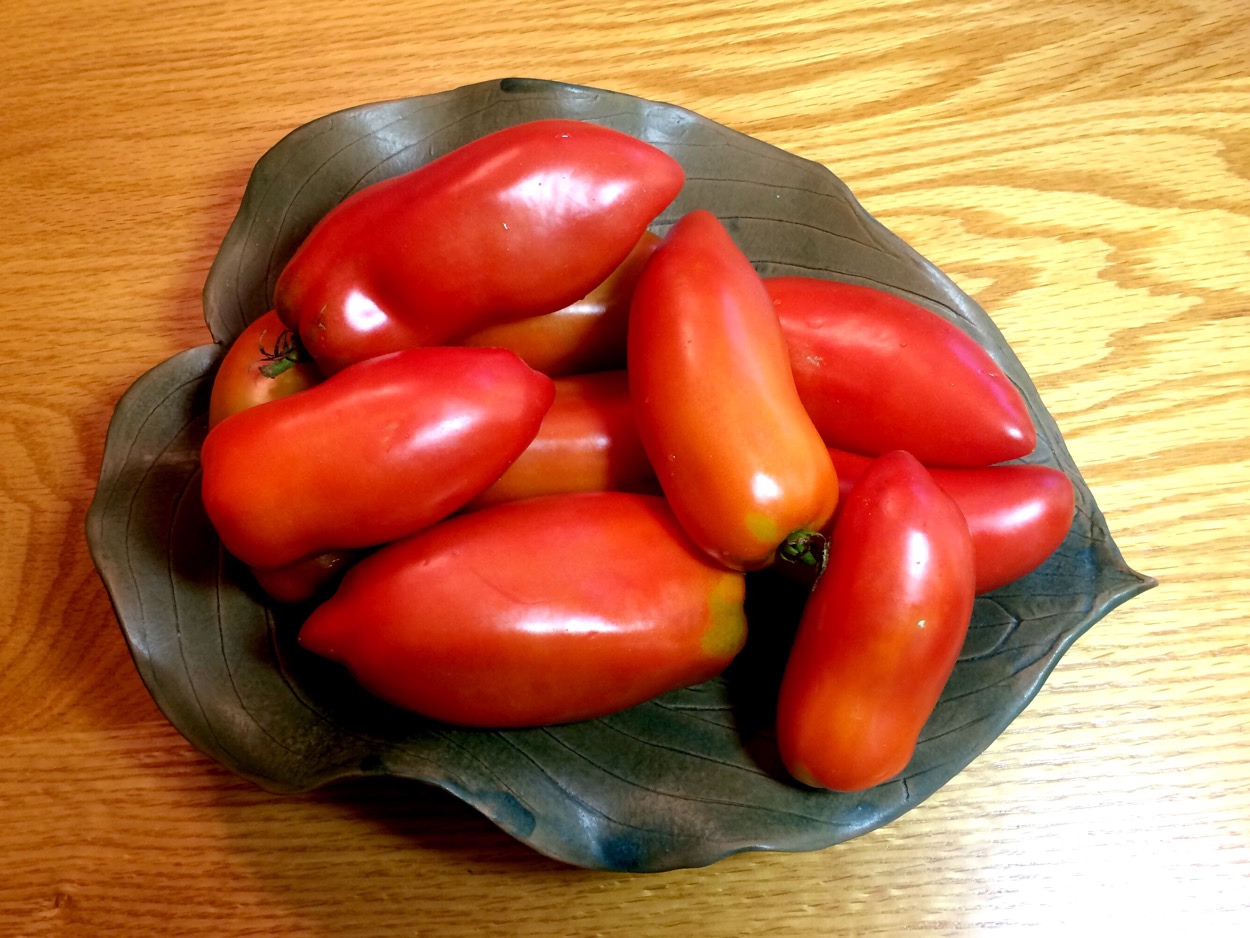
x=1017 y=515
x=718 y=413
x=586 y=336
x=518 y=223
x=263 y=364
x=304 y=579
x=535 y=612
x=879 y=373
x=881 y=632
x=375 y=452
x=588 y=442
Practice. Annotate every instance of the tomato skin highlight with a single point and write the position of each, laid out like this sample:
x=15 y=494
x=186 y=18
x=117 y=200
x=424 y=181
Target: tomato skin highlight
x=542 y=611
x=240 y=382
x=304 y=579
x=586 y=336
x=880 y=633
x=718 y=413
x=1017 y=515
x=588 y=442
x=878 y=373
x=375 y=452
x=519 y=223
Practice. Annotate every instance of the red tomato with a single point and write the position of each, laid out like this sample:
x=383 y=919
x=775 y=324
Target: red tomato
x=717 y=410
x=263 y=364
x=588 y=442
x=879 y=373
x=547 y=610
x=880 y=633
x=376 y=452
x=585 y=336
x=1017 y=515
x=518 y=223
x=304 y=579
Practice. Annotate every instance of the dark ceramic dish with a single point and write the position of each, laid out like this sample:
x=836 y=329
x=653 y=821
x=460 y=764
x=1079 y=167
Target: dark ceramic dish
x=680 y=781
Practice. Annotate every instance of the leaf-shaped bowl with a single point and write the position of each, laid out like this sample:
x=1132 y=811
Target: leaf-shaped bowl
x=680 y=781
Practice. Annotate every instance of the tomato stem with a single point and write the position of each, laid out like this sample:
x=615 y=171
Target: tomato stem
x=806 y=547
x=286 y=352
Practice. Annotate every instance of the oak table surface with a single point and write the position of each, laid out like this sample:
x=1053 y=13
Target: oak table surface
x=1081 y=168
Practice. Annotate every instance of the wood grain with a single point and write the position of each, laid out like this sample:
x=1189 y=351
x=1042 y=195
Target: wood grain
x=1081 y=168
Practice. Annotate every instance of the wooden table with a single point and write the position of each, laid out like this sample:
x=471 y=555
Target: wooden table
x=1081 y=168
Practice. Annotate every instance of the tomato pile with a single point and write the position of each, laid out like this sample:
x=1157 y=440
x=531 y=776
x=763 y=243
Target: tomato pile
x=518 y=454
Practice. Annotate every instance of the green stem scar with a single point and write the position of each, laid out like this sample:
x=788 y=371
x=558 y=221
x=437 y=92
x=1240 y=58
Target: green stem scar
x=809 y=548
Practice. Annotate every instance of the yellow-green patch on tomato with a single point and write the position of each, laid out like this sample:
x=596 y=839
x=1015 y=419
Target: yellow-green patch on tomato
x=727 y=621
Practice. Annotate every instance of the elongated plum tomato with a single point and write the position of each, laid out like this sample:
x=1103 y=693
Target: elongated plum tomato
x=879 y=373
x=541 y=611
x=717 y=410
x=588 y=442
x=585 y=336
x=519 y=223
x=380 y=450
x=881 y=631
x=1017 y=515
x=263 y=364
x=266 y=363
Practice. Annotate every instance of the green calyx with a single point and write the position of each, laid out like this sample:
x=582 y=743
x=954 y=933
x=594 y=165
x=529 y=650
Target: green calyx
x=286 y=352
x=809 y=548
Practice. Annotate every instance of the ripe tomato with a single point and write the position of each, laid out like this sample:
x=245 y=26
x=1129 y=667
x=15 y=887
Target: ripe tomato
x=305 y=578
x=1017 y=515
x=518 y=223
x=546 y=610
x=263 y=364
x=585 y=336
x=717 y=410
x=879 y=373
x=375 y=452
x=588 y=442
x=880 y=633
